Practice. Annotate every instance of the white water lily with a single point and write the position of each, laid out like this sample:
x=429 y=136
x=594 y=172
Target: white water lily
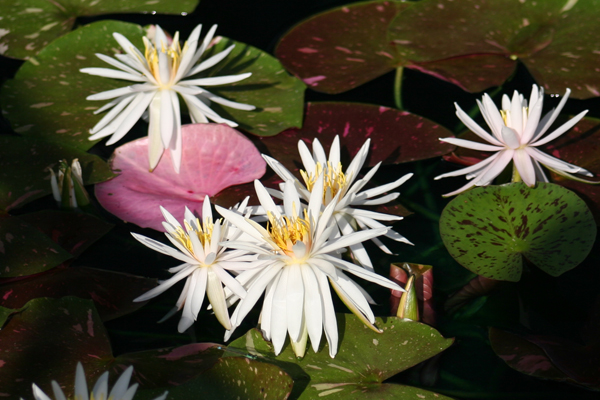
x=67 y=185
x=300 y=255
x=161 y=72
x=516 y=132
x=205 y=266
x=347 y=216
x=120 y=391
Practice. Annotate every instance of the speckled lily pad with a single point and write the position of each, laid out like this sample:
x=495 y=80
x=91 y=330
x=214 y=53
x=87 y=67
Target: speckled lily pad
x=489 y=230
x=29 y=25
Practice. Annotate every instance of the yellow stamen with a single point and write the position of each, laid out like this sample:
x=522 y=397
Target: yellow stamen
x=334 y=180
x=174 y=55
x=204 y=233
x=287 y=231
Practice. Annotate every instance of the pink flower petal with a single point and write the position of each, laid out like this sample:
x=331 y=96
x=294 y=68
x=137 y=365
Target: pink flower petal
x=215 y=156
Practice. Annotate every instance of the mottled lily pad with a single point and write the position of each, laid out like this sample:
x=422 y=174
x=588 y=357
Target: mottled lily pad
x=24 y=250
x=555 y=39
x=23 y=168
x=489 y=230
x=112 y=292
x=52 y=86
x=214 y=157
x=364 y=359
x=342 y=48
x=396 y=136
x=29 y=354
x=29 y=25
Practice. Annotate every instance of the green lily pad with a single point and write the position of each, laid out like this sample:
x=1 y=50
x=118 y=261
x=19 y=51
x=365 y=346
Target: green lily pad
x=489 y=230
x=29 y=25
x=4 y=314
x=364 y=359
x=277 y=96
x=47 y=96
x=24 y=176
x=112 y=292
x=74 y=232
x=342 y=48
x=24 y=250
x=28 y=353
x=555 y=39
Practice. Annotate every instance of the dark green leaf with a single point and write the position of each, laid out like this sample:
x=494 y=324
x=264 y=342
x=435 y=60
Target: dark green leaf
x=26 y=251
x=489 y=230
x=29 y=25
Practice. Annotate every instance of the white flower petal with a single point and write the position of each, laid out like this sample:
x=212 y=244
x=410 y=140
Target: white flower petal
x=164 y=249
x=114 y=74
x=560 y=130
x=216 y=297
x=313 y=307
x=295 y=301
x=38 y=393
x=470 y=145
x=474 y=127
x=216 y=80
x=184 y=273
x=524 y=166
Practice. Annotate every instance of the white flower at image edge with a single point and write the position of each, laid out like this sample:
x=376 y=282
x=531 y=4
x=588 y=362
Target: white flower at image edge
x=516 y=132
x=120 y=391
x=300 y=258
x=344 y=190
x=205 y=264
x=161 y=72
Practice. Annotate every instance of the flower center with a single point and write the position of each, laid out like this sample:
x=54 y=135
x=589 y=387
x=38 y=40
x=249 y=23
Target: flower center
x=507 y=118
x=334 y=180
x=286 y=232
x=204 y=233
x=173 y=54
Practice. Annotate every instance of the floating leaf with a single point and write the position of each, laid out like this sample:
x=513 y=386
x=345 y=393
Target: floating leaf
x=555 y=39
x=277 y=96
x=364 y=360
x=74 y=232
x=396 y=136
x=477 y=287
x=489 y=230
x=24 y=250
x=112 y=292
x=342 y=48
x=214 y=157
x=29 y=25
x=23 y=168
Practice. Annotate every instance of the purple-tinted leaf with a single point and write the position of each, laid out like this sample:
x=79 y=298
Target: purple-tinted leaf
x=555 y=39
x=342 y=48
x=396 y=136
x=23 y=168
x=26 y=251
x=214 y=157
x=489 y=229
x=478 y=286
x=112 y=292
x=74 y=232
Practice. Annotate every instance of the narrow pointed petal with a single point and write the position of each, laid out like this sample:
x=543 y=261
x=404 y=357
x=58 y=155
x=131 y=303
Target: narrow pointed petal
x=38 y=393
x=551 y=117
x=310 y=165
x=108 y=118
x=279 y=310
x=184 y=273
x=495 y=168
x=516 y=113
x=312 y=303
x=472 y=169
x=216 y=80
x=524 y=165
x=294 y=302
x=101 y=387
x=80 y=383
x=114 y=74
x=510 y=137
x=560 y=130
x=329 y=320
x=319 y=152
x=474 y=127
x=133 y=114
x=470 y=145
x=216 y=296
x=162 y=248
x=555 y=163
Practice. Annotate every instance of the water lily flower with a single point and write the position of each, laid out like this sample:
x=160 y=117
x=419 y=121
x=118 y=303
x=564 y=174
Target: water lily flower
x=517 y=131
x=347 y=216
x=67 y=185
x=120 y=391
x=161 y=73
x=299 y=255
x=205 y=266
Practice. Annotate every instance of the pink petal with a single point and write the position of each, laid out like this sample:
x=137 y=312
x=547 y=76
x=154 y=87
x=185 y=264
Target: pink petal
x=214 y=157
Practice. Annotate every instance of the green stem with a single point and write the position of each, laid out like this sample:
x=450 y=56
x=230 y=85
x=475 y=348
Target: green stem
x=398 y=88
x=515 y=175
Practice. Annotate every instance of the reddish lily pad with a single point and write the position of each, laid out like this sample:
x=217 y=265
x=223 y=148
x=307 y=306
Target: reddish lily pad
x=74 y=232
x=214 y=157
x=23 y=168
x=556 y=40
x=478 y=286
x=24 y=250
x=396 y=136
x=112 y=292
x=489 y=230
x=342 y=48
x=28 y=25
x=364 y=360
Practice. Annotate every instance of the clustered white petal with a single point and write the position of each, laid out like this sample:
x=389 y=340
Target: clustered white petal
x=206 y=261
x=293 y=261
x=517 y=131
x=120 y=391
x=300 y=254
x=161 y=73
x=345 y=191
